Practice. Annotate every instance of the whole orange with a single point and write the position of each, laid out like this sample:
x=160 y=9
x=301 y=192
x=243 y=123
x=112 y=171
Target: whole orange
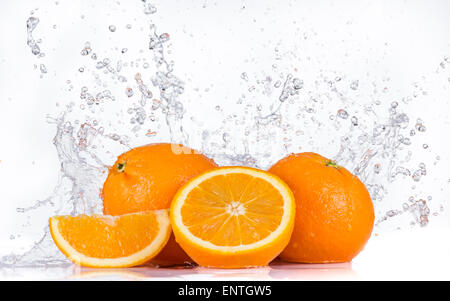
x=147 y=178
x=334 y=216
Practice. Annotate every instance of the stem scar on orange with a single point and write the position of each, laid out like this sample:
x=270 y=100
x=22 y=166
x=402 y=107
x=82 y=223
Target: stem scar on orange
x=335 y=215
x=147 y=178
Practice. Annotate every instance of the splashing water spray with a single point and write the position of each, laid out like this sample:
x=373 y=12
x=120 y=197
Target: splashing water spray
x=374 y=143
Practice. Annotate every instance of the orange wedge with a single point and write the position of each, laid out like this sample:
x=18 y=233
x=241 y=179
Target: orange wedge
x=233 y=217
x=111 y=241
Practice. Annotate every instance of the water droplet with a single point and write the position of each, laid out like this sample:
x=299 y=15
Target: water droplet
x=342 y=114
x=420 y=126
x=150 y=133
x=43 y=68
x=354 y=85
x=402 y=170
x=226 y=137
x=417 y=175
x=129 y=92
x=277 y=84
x=149 y=8
x=32 y=22
x=115 y=137
x=164 y=37
x=391 y=213
x=377 y=168
x=297 y=83
x=406 y=141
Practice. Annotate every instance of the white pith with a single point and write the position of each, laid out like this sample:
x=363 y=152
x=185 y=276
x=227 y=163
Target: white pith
x=146 y=253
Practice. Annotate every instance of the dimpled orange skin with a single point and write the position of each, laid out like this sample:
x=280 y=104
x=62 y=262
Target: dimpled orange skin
x=147 y=178
x=335 y=215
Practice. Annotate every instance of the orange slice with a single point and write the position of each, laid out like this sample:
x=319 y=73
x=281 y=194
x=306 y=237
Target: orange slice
x=111 y=241
x=233 y=217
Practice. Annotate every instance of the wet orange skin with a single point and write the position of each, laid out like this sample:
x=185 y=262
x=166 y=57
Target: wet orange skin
x=334 y=216
x=147 y=178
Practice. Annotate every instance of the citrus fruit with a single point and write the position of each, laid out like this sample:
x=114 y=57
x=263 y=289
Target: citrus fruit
x=334 y=216
x=147 y=178
x=111 y=241
x=233 y=217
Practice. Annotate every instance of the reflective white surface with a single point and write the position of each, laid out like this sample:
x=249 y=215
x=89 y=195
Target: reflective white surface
x=414 y=255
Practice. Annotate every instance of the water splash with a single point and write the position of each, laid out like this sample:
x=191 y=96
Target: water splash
x=32 y=23
x=375 y=142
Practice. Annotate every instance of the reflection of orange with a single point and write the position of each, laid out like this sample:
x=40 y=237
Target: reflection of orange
x=147 y=178
x=233 y=217
x=335 y=215
x=111 y=241
x=172 y=254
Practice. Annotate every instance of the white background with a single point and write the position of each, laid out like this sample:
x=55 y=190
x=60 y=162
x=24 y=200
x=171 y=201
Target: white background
x=212 y=43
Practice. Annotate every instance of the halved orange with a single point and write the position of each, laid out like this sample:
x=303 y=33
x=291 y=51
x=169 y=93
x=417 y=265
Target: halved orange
x=233 y=217
x=111 y=241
